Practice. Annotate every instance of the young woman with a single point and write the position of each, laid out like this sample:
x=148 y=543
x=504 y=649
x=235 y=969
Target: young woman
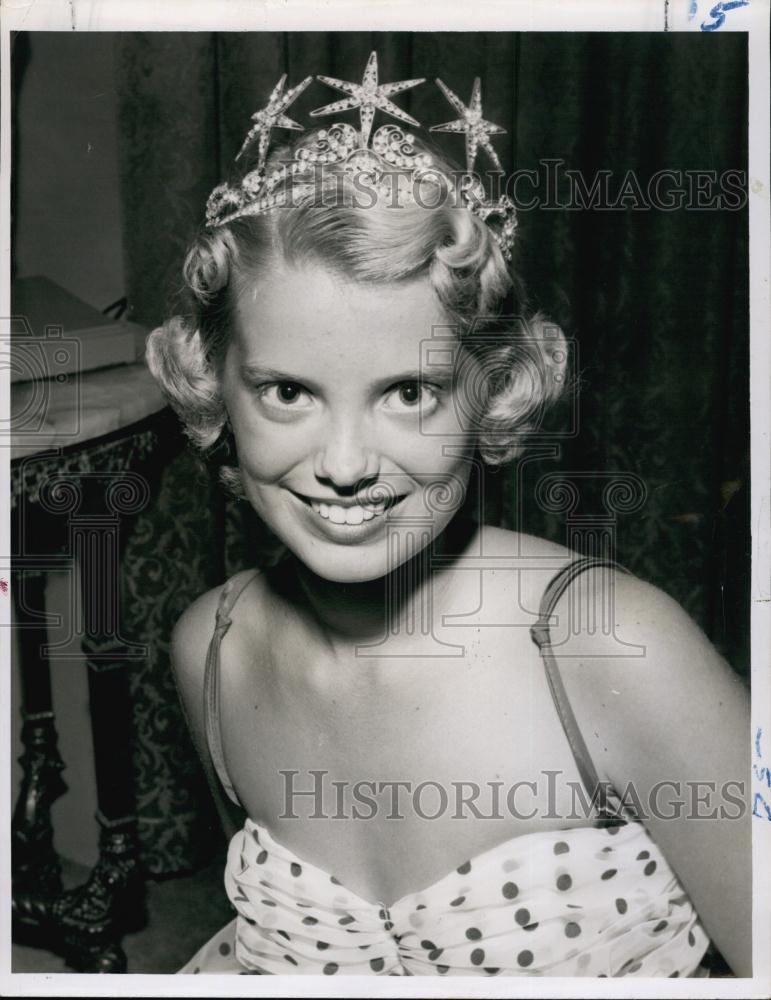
x=445 y=769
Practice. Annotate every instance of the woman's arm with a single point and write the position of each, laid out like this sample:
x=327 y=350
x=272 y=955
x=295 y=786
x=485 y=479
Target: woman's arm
x=190 y=640
x=657 y=703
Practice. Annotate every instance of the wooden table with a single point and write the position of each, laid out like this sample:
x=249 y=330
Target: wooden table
x=82 y=452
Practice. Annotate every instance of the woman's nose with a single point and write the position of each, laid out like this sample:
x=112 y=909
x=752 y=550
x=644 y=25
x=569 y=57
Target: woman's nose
x=344 y=457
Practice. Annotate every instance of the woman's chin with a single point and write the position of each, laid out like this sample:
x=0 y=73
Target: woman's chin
x=348 y=567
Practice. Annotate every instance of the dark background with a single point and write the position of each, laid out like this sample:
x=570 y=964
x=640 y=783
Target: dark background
x=656 y=302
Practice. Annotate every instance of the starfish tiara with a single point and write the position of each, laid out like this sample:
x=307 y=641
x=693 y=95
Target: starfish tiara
x=385 y=161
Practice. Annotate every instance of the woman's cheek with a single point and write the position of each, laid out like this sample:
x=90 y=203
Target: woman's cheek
x=432 y=446
x=266 y=451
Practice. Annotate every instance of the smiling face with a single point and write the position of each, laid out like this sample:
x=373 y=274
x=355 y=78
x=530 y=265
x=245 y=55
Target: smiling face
x=341 y=427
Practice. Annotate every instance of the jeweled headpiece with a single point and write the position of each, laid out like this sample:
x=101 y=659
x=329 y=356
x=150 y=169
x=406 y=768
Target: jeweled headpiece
x=386 y=160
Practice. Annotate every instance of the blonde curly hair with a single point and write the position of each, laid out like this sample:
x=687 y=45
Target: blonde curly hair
x=523 y=363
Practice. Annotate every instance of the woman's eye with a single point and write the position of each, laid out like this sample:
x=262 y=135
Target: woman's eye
x=411 y=396
x=285 y=395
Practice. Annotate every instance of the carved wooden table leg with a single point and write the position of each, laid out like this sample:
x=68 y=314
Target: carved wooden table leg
x=36 y=872
x=91 y=919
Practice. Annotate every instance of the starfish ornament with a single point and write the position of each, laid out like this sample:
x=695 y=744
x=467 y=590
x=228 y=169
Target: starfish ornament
x=478 y=131
x=272 y=116
x=367 y=96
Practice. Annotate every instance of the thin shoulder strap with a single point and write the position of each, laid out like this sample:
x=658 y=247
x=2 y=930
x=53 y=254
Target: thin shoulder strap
x=598 y=790
x=211 y=686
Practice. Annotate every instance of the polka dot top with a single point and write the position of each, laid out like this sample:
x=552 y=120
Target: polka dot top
x=587 y=901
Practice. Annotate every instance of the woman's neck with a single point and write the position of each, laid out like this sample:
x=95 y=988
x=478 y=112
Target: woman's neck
x=398 y=603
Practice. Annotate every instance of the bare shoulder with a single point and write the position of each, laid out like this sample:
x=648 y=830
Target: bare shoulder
x=189 y=646
x=640 y=668
x=666 y=720
x=495 y=541
x=634 y=632
x=518 y=566
x=194 y=629
x=190 y=639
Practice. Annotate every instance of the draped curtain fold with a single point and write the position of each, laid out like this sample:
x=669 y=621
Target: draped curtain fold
x=655 y=303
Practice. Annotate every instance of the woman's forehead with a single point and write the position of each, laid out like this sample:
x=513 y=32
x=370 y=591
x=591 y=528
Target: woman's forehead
x=314 y=306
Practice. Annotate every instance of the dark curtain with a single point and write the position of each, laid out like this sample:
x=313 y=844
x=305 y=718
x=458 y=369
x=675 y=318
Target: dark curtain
x=655 y=452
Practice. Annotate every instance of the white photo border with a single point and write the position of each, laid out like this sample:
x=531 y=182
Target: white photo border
x=511 y=15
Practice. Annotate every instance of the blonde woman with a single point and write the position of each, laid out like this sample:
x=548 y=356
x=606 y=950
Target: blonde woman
x=341 y=355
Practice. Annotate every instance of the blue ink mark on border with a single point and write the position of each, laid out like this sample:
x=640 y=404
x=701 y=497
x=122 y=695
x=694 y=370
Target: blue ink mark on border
x=758 y=799
x=762 y=773
x=719 y=12
x=693 y=9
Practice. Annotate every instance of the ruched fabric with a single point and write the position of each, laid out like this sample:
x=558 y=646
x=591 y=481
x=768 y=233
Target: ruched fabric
x=586 y=901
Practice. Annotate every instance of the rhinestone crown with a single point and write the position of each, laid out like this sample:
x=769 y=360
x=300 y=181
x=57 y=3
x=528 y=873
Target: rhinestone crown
x=385 y=162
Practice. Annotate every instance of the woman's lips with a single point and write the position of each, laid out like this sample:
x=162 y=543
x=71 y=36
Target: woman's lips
x=352 y=514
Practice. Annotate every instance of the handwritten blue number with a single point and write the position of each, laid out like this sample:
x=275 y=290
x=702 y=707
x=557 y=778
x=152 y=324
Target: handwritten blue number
x=719 y=12
x=762 y=773
x=759 y=800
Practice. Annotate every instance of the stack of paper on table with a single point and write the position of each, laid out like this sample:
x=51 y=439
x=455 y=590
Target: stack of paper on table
x=53 y=333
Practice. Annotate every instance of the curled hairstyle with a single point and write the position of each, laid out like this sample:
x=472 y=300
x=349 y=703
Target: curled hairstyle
x=326 y=221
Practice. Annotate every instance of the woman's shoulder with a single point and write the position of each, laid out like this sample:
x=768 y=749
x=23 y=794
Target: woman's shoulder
x=634 y=662
x=517 y=566
x=641 y=613
x=543 y=559
x=195 y=627
x=498 y=542
x=658 y=706
x=610 y=608
x=502 y=550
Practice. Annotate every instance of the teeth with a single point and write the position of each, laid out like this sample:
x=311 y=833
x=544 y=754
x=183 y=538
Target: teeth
x=354 y=515
x=336 y=514
x=347 y=515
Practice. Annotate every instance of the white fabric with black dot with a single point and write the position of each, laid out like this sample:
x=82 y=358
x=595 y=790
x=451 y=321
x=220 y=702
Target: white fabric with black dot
x=589 y=901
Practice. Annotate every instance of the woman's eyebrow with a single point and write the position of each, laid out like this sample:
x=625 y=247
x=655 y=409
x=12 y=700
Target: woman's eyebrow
x=250 y=369
x=435 y=372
